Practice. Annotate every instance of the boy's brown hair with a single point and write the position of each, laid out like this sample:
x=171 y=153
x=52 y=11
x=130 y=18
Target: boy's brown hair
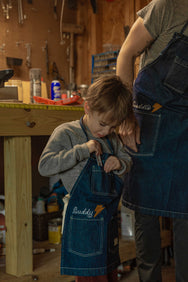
x=109 y=95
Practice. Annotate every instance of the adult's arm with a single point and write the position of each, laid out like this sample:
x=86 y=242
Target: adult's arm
x=136 y=42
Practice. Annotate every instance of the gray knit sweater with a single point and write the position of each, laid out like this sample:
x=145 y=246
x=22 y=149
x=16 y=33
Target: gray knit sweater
x=66 y=153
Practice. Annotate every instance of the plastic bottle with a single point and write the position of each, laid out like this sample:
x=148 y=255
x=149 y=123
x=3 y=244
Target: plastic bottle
x=40 y=206
x=127 y=223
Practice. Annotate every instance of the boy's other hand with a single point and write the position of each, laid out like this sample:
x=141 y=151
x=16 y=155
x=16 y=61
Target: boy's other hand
x=112 y=163
x=129 y=132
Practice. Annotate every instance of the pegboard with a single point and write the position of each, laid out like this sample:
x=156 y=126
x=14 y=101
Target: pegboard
x=40 y=26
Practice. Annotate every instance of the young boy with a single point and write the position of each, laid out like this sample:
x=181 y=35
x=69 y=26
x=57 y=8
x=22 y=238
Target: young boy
x=90 y=160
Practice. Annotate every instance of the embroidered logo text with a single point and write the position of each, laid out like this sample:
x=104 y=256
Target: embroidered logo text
x=87 y=212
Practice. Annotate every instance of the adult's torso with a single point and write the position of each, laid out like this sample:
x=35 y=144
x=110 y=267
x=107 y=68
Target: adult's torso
x=162 y=18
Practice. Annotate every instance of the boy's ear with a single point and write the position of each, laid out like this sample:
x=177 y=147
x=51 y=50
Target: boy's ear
x=86 y=107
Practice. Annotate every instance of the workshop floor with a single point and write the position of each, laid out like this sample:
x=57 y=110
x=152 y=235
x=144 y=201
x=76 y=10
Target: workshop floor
x=46 y=268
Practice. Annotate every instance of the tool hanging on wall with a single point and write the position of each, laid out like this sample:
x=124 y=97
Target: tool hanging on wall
x=28 y=58
x=47 y=58
x=94 y=6
x=55 y=9
x=55 y=73
x=72 y=29
x=61 y=22
x=2 y=48
x=20 y=12
x=6 y=7
x=12 y=62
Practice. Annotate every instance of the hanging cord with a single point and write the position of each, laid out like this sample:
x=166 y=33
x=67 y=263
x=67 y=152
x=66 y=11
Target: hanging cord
x=61 y=22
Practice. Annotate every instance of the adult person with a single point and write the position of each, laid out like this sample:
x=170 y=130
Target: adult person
x=157 y=135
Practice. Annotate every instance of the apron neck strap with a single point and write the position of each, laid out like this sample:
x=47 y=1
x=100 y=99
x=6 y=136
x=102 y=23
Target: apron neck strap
x=82 y=126
x=184 y=27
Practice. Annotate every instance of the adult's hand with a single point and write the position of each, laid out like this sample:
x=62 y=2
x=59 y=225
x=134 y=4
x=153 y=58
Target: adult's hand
x=129 y=132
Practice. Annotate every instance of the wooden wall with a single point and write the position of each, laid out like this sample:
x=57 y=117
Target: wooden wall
x=38 y=27
x=104 y=27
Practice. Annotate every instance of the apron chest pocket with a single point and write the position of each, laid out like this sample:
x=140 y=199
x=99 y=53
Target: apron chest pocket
x=178 y=69
x=102 y=183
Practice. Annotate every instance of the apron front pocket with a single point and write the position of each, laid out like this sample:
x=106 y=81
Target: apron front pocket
x=88 y=241
x=149 y=124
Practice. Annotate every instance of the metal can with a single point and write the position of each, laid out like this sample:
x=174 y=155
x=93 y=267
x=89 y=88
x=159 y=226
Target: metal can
x=35 y=83
x=54 y=230
x=55 y=90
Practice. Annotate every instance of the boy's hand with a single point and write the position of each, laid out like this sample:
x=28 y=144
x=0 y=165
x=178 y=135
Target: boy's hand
x=112 y=163
x=94 y=146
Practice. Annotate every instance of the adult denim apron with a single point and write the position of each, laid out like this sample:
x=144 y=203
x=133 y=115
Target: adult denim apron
x=90 y=243
x=158 y=181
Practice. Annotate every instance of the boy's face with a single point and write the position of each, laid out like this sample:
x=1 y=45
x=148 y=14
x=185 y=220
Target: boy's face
x=99 y=124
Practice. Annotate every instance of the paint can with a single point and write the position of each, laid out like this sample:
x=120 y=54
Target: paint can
x=54 y=230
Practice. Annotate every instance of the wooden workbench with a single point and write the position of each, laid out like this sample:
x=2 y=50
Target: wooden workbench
x=18 y=122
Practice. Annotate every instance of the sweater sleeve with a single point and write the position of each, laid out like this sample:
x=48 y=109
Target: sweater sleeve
x=62 y=152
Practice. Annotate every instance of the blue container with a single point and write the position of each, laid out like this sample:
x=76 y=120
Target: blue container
x=55 y=90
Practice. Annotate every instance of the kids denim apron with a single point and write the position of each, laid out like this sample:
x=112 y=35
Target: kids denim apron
x=90 y=243
x=158 y=181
